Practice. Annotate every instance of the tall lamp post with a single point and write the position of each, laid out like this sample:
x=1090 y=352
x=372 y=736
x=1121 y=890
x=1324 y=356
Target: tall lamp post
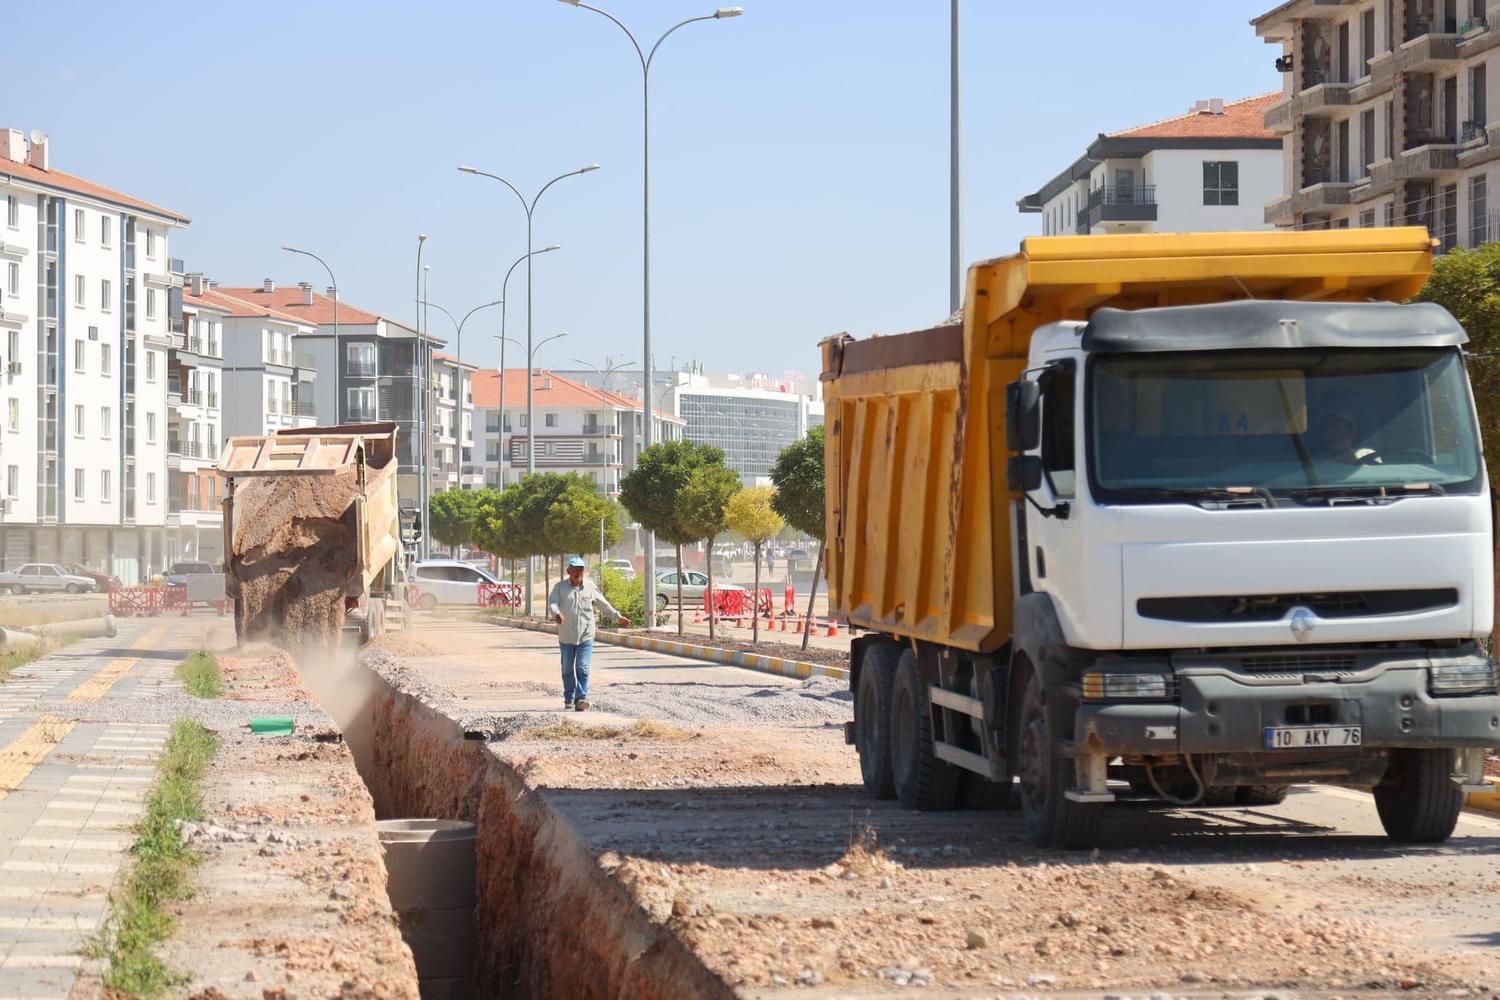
x=424 y=450
x=416 y=368
x=955 y=190
x=504 y=339
x=530 y=209
x=458 y=355
x=646 y=59
x=335 y=283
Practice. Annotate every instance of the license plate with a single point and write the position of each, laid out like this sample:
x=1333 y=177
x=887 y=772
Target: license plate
x=1300 y=737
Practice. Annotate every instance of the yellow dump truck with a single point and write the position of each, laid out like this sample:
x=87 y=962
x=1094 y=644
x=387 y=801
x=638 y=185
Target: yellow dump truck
x=1186 y=516
x=312 y=532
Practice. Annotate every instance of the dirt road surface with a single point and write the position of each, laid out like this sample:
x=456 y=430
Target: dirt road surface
x=736 y=820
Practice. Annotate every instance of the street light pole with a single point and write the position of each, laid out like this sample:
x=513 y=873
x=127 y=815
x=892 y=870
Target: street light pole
x=335 y=283
x=424 y=356
x=530 y=209
x=646 y=59
x=504 y=340
x=459 y=359
x=955 y=190
x=417 y=369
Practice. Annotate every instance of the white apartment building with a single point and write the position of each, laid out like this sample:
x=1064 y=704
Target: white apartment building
x=1384 y=107
x=195 y=425
x=84 y=285
x=454 y=460
x=369 y=366
x=1212 y=169
x=268 y=376
x=593 y=432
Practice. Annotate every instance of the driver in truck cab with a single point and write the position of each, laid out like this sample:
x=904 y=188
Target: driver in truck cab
x=1340 y=432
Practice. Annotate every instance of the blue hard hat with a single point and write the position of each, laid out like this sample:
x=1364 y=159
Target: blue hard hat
x=576 y=563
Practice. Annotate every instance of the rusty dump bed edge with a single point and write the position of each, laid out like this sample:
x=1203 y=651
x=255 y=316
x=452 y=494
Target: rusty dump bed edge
x=309 y=450
x=918 y=517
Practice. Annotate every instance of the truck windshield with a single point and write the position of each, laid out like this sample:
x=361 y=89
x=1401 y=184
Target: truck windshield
x=1304 y=424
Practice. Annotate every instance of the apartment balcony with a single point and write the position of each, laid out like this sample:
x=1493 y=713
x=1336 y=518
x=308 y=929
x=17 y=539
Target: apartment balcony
x=1427 y=156
x=1321 y=99
x=1111 y=204
x=174 y=393
x=1321 y=195
x=1480 y=34
x=361 y=417
x=1427 y=53
x=1279 y=212
x=600 y=430
x=304 y=362
x=361 y=369
x=1279 y=116
x=212 y=400
x=302 y=408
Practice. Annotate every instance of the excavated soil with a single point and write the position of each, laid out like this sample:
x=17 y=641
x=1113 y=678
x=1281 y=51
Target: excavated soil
x=297 y=545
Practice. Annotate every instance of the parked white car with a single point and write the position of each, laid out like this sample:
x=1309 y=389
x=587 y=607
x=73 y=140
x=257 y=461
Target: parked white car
x=693 y=586
x=449 y=581
x=624 y=567
x=38 y=578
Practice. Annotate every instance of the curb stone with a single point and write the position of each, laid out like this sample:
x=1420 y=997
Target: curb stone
x=1485 y=801
x=800 y=669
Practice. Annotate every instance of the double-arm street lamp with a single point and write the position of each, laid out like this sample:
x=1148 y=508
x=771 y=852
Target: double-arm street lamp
x=458 y=356
x=531 y=353
x=530 y=208
x=504 y=285
x=646 y=60
x=334 y=284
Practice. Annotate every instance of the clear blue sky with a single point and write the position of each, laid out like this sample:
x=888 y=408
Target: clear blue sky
x=800 y=153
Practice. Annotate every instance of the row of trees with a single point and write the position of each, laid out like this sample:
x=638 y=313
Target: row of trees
x=681 y=491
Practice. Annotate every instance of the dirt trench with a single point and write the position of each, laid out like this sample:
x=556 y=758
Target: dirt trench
x=549 y=922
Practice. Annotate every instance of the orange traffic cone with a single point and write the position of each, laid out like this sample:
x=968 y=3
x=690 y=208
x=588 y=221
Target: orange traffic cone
x=833 y=627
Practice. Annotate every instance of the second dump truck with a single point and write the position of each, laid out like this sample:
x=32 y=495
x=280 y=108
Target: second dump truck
x=1191 y=517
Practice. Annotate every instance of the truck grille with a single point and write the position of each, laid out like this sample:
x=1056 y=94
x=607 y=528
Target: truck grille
x=1235 y=608
x=1292 y=663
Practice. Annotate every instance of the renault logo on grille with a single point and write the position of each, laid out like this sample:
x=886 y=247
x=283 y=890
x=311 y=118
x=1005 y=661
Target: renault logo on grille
x=1302 y=624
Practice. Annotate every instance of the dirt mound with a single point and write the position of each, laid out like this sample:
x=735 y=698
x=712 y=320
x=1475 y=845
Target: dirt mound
x=296 y=549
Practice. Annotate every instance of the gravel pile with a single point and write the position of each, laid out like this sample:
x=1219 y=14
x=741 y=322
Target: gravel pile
x=817 y=700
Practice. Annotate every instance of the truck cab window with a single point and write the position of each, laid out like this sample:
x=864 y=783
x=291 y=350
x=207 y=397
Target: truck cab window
x=1057 y=431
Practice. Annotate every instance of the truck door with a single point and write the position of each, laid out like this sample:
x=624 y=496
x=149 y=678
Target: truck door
x=1054 y=538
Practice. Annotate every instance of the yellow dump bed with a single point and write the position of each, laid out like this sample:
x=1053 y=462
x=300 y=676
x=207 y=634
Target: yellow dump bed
x=918 y=512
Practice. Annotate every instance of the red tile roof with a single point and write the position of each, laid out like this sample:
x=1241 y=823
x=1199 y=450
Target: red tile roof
x=215 y=298
x=288 y=299
x=1243 y=119
x=440 y=356
x=563 y=392
x=67 y=182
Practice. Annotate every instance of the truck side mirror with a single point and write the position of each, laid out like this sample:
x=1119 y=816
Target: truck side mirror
x=1023 y=415
x=1023 y=473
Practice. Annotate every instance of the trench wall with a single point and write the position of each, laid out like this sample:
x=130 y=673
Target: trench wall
x=549 y=923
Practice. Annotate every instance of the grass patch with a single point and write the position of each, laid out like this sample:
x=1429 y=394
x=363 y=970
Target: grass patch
x=13 y=661
x=644 y=729
x=201 y=675
x=162 y=869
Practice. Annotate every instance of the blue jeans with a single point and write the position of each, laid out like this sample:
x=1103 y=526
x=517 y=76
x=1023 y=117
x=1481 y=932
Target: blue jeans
x=575 y=669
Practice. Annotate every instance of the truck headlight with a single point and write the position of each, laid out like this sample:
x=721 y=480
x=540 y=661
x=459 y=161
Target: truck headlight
x=1462 y=677
x=1099 y=686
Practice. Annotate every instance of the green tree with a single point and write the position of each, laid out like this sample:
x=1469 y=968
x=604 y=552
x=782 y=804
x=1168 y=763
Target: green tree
x=514 y=526
x=451 y=517
x=750 y=513
x=572 y=523
x=652 y=494
x=701 y=512
x=798 y=475
x=1467 y=284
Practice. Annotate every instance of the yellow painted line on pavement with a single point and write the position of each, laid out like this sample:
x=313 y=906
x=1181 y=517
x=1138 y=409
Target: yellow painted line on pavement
x=25 y=752
x=98 y=685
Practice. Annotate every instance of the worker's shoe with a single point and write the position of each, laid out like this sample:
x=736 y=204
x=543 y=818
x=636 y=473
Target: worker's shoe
x=582 y=704
x=567 y=704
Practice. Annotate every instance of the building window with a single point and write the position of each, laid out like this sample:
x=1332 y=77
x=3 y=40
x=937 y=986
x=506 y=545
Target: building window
x=150 y=428
x=78 y=355
x=1367 y=39
x=1390 y=213
x=151 y=243
x=93 y=333
x=104 y=235
x=1221 y=182
x=549 y=419
x=1367 y=219
x=79 y=281
x=13 y=481
x=150 y=303
x=104 y=423
x=13 y=415
x=104 y=359
x=1367 y=140
x=12 y=211
x=77 y=484
x=151 y=487
x=150 y=366
x=13 y=342
x=105 y=490
x=77 y=225
x=361 y=403
x=78 y=420
x=106 y=301
x=1479 y=233
x=14 y=278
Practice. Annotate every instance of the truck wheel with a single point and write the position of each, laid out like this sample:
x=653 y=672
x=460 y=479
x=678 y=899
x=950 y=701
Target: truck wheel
x=975 y=791
x=922 y=781
x=1052 y=819
x=1418 y=801
x=872 y=718
x=1260 y=795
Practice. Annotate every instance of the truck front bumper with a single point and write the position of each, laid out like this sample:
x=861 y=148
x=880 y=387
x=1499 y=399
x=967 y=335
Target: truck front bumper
x=1219 y=712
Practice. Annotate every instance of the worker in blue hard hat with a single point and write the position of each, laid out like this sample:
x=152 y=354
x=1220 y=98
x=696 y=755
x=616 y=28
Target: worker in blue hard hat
x=571 y=604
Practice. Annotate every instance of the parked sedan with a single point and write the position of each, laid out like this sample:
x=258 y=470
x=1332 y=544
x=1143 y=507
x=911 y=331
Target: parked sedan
x=448 y=581
x=44 y=578
x=102 y=581
x=178 y=572
x=693 y=586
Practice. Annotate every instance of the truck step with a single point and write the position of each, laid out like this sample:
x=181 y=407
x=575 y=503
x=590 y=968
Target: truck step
x=969 y=760
x=958 y=702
